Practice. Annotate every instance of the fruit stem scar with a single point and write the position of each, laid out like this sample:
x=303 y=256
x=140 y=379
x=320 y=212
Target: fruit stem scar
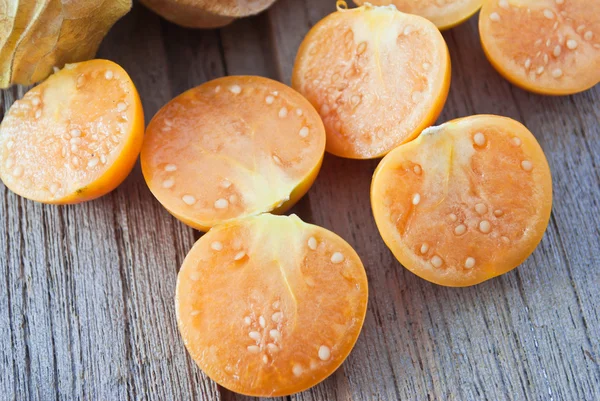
x=341 y=5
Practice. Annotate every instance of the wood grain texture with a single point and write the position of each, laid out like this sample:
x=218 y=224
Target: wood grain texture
x=86 y=298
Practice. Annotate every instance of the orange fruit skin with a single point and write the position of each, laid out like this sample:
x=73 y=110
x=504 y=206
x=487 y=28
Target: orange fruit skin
x=206 y=14
x=116 y=172
x=443 y=20
x=415 y=230
x=577 y=69
x=277 y=318
x=253 y=88
x=336 y=143
x=187 y=15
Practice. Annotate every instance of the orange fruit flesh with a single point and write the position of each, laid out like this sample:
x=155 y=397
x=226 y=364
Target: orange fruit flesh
x=270 y=305
x=74 y=137
x=444 y=14
x=230 y=148
x=464 y=202
x=377 y=76
x=543 y=46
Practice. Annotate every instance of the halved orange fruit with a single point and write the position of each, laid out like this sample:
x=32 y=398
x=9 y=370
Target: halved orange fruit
x=377 y=76
x=445 y=14
x=269 y=305
x=550 y=47
x=73 y=138
x=464 y=202
x=230 y=148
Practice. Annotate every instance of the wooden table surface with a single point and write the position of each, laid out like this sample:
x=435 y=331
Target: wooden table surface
x=86 y=298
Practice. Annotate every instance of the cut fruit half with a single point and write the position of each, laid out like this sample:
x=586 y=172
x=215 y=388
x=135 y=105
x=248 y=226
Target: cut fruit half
x=206 y=13
x=550 y=47
x=377 y=76
x=269 y=306
x=73 y=138
x=230 y=148
x=464 y=202
x=445 y=14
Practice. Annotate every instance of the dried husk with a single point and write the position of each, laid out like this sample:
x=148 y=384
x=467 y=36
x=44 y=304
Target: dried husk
x=18 y=14
x=8 y=12
x=56 y=32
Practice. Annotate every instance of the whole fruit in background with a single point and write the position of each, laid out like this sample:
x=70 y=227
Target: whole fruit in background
x=74 y=137
x=206 y=13
x=377 y=76
x=269 y=305
x=37 y=36
x=232 y=147
x=444 y=14
x=464 y=202
x=547 y=47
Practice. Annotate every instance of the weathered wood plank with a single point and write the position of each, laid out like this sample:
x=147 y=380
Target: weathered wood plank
x=247 y=47
x=290 y=21
x=86 y=302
